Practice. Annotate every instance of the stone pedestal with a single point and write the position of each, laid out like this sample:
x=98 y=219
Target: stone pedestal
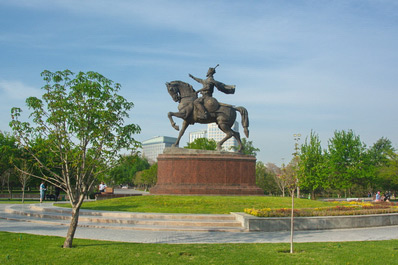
x=188 y=171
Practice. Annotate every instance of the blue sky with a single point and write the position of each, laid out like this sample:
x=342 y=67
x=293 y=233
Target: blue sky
x=297 y=65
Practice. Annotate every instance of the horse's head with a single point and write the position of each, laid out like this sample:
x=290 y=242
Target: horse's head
x=173 y=90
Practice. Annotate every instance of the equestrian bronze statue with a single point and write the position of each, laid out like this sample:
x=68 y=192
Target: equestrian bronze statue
x=206 y=109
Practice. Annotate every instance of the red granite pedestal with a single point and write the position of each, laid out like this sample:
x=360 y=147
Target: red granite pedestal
x=194 y=172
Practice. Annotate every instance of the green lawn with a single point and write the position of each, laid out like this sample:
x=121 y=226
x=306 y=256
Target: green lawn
x=32 y=249
x=197 y=204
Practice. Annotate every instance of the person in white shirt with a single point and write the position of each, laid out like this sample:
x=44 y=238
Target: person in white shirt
x=102 y=187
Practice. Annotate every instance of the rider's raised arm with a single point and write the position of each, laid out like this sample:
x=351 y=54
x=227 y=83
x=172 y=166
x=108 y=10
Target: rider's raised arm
x=196 y=79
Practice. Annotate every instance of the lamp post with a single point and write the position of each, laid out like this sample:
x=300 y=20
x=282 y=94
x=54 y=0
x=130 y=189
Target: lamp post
x=296 y=138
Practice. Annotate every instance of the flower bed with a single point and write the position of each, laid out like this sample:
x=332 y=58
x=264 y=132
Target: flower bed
x=351 y=208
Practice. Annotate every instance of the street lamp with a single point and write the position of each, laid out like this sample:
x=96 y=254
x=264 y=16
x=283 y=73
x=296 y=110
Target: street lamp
x=297 y=137
x=296 y=145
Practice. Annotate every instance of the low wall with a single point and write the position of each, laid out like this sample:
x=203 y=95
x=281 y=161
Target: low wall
x=32 y=196
x=106 y=196
x=19 y=196
x=274 y=224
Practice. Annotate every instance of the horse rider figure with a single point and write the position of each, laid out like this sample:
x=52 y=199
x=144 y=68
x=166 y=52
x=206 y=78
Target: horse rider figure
x=206 y=103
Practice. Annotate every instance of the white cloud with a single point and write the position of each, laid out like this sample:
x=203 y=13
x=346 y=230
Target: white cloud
x=18 y=90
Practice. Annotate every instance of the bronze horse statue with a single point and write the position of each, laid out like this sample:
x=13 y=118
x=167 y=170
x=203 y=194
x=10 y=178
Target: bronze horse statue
x=222 y=114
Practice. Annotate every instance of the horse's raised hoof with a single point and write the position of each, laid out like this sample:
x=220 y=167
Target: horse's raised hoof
x=175 y=126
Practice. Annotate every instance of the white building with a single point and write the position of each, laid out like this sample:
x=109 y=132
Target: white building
x=198 y=134
x=153 y=147
x=213 y=132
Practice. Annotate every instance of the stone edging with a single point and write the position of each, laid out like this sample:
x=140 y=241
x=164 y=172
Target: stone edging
x=275 y=224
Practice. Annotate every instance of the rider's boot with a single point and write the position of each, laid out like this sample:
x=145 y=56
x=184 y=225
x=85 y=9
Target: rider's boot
x=202 y=112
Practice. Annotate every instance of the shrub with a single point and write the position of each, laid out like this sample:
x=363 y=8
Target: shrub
x=351 y=208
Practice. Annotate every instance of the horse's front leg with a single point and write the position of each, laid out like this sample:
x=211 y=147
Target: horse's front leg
x=181 y=114
x=173 y=124
x=184 y=127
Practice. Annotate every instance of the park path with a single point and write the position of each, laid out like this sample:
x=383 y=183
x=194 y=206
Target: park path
x=187 y=237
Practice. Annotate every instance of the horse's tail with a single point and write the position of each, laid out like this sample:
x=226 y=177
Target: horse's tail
x=245 y=119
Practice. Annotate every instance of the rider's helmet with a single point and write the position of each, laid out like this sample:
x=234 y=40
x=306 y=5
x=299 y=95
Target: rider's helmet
x=211 y=71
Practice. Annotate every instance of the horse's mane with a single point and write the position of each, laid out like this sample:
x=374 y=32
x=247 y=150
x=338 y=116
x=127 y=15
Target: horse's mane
x=181 y=83
x=184 y=89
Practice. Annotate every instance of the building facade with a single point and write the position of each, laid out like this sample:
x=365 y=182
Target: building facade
x=198 y=134
x=153 y=147
x=213 y=132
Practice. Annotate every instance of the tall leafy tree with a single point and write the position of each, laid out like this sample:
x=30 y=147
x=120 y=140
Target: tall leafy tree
x=377 y=157
x=311 y=165
x=265 y=179
x=346 y=160
x=126 y=169
x=9 y=152
x=81 y=117
x=148 y=177
x=388 y=173
x=380 y=152
x=202 y=143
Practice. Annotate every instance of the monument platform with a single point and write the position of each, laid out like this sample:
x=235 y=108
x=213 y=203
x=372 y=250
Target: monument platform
x=202 y=172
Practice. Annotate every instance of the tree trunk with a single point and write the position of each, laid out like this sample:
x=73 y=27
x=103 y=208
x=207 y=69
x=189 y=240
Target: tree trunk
x=72 y=227
x=313 y=194
x=9 y=188
x=292 y=224
x=23 y=193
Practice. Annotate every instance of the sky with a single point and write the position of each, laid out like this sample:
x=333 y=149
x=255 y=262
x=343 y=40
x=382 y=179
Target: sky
x=298 y=66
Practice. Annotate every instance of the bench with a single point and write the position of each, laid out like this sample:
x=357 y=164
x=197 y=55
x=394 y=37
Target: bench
x=108 y=191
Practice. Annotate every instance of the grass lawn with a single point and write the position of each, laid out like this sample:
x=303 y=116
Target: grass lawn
x=32 y=249
x=197 y=204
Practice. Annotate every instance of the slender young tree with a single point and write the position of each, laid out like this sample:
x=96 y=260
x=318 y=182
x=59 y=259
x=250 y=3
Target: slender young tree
x=289 y=174
x=311 y=164
x=23 y=176
x=79 y=124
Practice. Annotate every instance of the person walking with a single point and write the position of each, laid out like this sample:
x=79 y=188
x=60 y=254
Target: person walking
x=42 y=191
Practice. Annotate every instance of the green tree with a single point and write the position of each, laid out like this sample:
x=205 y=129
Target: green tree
x=346 y=160
x=202 y=143
x=248 y=148
x=9 y=152
x=81 y=117
x=388 y=173
x=277 y=174
x=265 y=179
x=311 y=165
x=148 y=177
x=377 y=157
x=126 y=169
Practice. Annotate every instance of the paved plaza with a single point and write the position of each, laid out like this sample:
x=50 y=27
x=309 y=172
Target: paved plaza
x=179 y=237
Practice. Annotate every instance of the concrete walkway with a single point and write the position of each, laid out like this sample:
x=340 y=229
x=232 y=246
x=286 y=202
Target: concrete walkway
x=178 y=237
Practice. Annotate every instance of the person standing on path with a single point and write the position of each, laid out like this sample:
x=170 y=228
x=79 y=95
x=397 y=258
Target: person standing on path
x=42 y=191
